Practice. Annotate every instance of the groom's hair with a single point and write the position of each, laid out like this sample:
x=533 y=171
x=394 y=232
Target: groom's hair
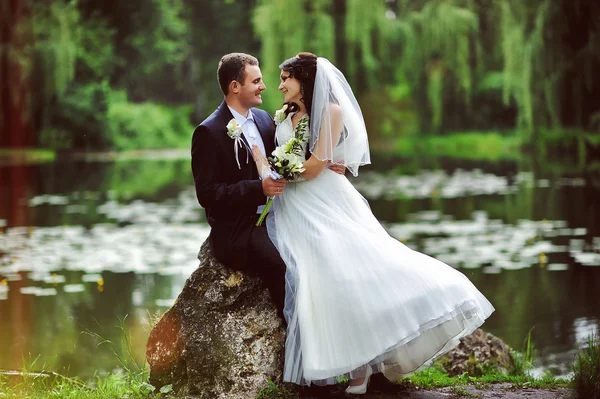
x=232 y=67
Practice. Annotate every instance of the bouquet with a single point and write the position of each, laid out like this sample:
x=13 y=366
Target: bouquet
x=286 y=161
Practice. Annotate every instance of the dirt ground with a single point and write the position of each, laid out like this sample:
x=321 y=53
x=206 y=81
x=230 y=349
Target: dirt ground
x=380 y=389
x=488 y=393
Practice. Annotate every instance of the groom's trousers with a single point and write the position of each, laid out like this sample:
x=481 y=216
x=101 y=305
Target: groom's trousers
x=264 y=260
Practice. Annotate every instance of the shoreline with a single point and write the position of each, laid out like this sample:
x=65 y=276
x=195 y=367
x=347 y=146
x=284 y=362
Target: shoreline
x=477 y=146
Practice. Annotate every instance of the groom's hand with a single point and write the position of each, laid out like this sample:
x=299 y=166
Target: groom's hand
x=272 y=187
x=339 y=169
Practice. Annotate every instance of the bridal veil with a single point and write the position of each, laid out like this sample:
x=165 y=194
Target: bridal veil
x=350 y=147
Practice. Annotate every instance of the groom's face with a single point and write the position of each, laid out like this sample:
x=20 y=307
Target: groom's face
x=250 y=92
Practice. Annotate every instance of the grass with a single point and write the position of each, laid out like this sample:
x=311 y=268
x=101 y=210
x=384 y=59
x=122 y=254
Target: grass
x=565 y=139
x=129 y=381
x=461 y=392
x=493 y=146
x=26 y=155
x=586 y=370
x=276 y=391
x=474 y=146
x=518 y=376
x=436 y=377
x=40 y=385
x=148 y=125
x=164 y=129
x=523 y=361
x=480 y=376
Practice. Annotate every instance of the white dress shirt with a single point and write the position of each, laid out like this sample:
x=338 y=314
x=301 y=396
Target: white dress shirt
x=250 y=130
x=252 y=134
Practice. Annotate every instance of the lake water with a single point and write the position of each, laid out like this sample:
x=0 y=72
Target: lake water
x=93 y=244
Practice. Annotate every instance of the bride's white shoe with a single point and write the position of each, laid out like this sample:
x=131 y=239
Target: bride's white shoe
x=362 y=388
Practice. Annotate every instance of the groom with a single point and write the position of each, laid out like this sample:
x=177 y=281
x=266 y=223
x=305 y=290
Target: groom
x=227 y=182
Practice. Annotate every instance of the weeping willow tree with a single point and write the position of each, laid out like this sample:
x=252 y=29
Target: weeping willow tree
x=353 y=34
x=230 y=21
x=39 y=50
x=551 y=51
x=287 y=28
x=15 y=65
x=369 y=36
x=56 y=27
x=439 y=57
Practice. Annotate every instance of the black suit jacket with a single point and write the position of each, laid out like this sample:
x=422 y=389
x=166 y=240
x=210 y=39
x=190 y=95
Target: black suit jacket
x=229 y=195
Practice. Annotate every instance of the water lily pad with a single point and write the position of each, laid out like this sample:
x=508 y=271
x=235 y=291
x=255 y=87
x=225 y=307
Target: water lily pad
x=73 y=288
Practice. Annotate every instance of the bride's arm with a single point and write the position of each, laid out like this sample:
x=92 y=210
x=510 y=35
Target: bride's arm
x=313 y=165
x=262 y=164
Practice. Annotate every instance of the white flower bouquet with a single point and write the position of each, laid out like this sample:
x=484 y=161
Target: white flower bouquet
x=286 y=161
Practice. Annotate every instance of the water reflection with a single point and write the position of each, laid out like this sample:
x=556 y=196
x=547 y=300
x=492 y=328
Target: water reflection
x=83 y=244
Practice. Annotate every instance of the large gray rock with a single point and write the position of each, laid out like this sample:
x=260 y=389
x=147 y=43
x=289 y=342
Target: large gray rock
x=221 y=339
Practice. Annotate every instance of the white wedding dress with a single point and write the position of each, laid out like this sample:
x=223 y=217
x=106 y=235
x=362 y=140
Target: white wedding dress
x=354 y=294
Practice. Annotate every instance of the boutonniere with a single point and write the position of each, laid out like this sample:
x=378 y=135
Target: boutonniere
x=280 y=114
x=234 y=131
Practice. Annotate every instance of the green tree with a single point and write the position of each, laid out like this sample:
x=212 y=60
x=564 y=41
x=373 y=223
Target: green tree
x=15 y=41
x=333 y=29
x=56 y=27
x=217 y=27
x=551 y=54
x=439 y=57
x=151 y=45
x=283 y=28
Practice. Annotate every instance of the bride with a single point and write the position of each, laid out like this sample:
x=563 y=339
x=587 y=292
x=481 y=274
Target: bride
x=357 y=301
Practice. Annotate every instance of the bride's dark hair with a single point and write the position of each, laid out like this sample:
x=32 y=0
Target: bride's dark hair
x=304 y=68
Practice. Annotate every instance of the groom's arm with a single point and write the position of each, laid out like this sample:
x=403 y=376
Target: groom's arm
x=212 y=192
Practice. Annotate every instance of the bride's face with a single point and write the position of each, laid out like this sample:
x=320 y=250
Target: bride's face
x=290 y=87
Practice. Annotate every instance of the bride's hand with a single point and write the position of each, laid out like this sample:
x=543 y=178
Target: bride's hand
x=262 y=165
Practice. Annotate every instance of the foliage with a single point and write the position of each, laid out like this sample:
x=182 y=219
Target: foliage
x=389 y=115
x=56 y=31
x=26 y=156
x=276 y=391
x=570 y=142
x=116 y=385
x=282 y=39
x=93 y=117
x=586 y=369
x=549 y=54
x=439 y=46
x=473 y=145
x=416 y=66
x=436 y=377
x=96 y=60
x=130 y=179
x=230 y=21
x=524 y=360
x=369 y=42
x=79 y=119
x=148 y=125
x=129 y=381
x=357 y=37
x=149 y=42
x=461 y=392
